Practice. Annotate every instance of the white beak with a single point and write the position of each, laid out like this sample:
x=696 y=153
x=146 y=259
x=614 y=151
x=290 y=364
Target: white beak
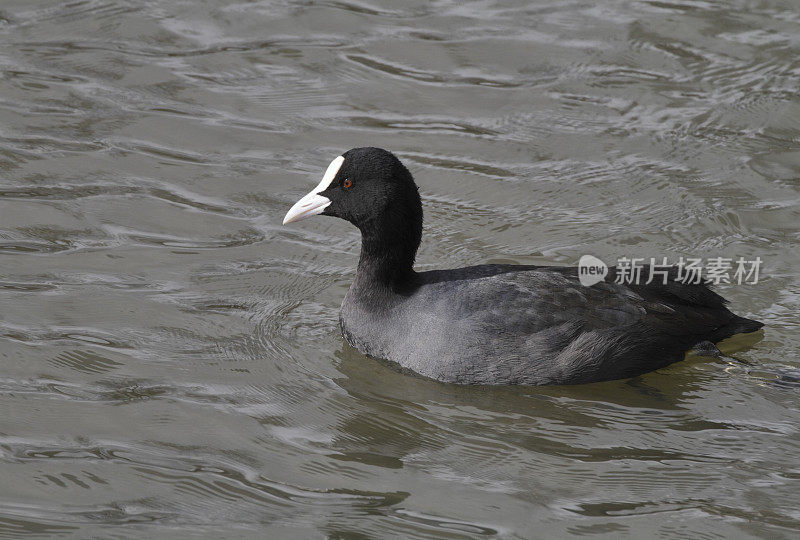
x=314 y=203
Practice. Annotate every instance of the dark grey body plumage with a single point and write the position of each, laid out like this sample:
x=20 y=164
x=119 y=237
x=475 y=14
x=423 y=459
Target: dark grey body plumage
x=501 y=324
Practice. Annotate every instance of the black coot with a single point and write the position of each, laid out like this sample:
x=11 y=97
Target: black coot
x=496 y=324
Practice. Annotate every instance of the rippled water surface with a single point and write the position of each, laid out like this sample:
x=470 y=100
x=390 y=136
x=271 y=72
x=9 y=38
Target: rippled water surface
x=170 y=357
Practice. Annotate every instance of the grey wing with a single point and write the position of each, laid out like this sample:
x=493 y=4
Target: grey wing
x=544 y=327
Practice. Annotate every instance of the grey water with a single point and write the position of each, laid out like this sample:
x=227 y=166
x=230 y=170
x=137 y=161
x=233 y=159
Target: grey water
x=170 y=356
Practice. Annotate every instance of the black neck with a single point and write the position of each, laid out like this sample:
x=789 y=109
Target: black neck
x=387 y=261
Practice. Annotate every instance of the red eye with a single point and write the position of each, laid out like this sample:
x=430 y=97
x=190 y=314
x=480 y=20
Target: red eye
x=347 y=183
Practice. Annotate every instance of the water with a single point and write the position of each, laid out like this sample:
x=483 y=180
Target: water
x=170 y=359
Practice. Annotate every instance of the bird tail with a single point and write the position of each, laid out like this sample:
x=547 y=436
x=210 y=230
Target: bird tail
x=738 y=325
x=743 y=325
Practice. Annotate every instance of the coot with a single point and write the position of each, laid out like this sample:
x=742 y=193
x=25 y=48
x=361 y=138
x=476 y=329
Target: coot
x=497 y=323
